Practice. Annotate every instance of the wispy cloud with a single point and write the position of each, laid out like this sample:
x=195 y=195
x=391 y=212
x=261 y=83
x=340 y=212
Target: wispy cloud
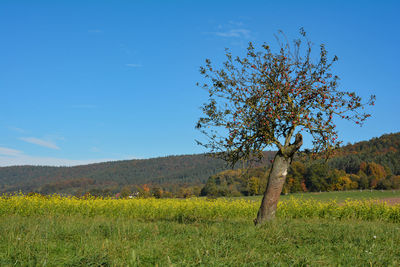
x=10 y=152
x=133 y=65
x=22 y=159
x=233 y=33
x=13 y=157
x=232 y=30
x=40 y=142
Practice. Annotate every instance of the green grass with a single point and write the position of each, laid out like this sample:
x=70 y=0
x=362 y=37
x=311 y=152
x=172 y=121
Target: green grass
x=339 y=196
x=54 y=231
x=98 y=241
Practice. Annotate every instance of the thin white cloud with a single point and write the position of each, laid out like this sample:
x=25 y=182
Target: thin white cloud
x=40 y=142
x=235 y=33
x=13 y=157
x=232 y=29
x=132 y=65
x=22 y=159
x=9 y=151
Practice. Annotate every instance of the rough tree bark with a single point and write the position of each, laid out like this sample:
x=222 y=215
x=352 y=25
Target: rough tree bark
x=276 y=180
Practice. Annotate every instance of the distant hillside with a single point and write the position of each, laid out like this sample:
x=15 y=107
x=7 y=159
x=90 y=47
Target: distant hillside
x=174 y=171
x=384 y=150
x=186 y=169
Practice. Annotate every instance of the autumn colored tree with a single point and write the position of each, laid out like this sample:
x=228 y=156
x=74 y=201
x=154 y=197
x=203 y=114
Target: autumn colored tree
x=157 y=191
x=270 y=99
x=295 y=178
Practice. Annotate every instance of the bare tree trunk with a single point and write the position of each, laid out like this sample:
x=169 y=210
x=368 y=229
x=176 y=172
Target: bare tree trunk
x=276 y=180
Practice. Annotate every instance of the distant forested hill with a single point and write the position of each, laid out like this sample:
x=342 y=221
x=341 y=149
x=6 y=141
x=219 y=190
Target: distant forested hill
x=384 y=150
x=185 y=169
x=378 y=157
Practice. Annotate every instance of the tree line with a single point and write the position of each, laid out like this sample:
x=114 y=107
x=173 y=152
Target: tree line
x=373 y=164
x=302 y=177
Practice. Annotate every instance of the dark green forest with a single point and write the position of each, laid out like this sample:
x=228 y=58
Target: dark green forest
x=373 y=164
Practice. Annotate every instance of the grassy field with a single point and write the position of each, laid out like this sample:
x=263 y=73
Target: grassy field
x=55 y=231
x=98 y=241
x=339 y=196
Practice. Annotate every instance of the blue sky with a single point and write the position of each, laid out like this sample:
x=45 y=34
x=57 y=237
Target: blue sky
x=89 y=81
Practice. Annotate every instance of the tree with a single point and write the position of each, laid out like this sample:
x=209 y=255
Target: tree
x=156 y=191
x=295 y=177
x=270 y=99
x=252 y=186
x=125 y=191
x=316 y=177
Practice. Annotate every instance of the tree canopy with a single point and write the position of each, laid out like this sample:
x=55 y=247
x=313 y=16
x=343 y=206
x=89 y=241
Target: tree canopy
x=267 y=98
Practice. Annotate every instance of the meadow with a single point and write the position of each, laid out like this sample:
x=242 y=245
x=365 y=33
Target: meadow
x=338 y=196
x=67 y=231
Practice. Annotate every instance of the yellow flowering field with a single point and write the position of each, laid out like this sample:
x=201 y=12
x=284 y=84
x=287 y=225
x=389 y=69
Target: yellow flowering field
x=192 y=209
